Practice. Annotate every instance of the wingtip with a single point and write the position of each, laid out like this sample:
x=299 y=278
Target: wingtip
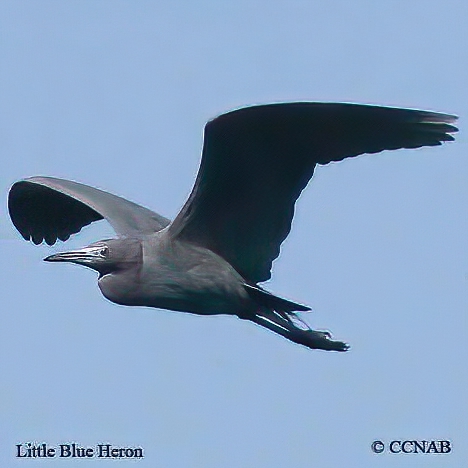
x=444 y=122
x=439 y=117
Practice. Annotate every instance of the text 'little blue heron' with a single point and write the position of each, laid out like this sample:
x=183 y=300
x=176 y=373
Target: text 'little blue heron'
x=255 y=163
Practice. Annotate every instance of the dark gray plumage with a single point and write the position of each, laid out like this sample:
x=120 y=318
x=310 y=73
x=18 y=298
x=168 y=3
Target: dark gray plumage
x=256 y=161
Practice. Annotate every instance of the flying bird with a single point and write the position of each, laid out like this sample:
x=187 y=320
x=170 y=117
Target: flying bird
x=255 y=163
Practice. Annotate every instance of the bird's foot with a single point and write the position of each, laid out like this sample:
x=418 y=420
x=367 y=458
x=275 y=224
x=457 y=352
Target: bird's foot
x=322 y=340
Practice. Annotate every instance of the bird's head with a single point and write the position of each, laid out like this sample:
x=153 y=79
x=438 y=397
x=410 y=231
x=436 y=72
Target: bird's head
x=107 y=256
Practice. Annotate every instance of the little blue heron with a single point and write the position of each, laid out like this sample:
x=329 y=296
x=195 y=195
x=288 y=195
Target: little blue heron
x=255 y=163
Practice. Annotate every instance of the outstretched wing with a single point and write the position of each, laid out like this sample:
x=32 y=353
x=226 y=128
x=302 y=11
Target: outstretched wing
x=257 y=160
x=46 y=208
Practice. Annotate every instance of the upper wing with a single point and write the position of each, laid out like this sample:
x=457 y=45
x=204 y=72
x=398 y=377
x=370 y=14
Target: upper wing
x=257 y=160
x=46 y=208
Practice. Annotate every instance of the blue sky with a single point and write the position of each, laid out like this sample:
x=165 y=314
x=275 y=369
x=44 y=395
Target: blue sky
x=115 y=94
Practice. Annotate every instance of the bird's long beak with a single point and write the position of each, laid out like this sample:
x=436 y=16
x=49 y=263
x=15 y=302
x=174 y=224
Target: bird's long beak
x=85 y=256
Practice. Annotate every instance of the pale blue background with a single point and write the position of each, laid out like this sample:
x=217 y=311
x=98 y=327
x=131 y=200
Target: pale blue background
x=115 y=94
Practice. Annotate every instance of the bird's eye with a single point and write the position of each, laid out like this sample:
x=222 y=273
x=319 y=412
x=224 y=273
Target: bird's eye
x=104 y=251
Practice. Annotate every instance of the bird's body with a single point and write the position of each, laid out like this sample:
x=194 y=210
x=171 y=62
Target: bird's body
x=210 y=259
x=177 y=276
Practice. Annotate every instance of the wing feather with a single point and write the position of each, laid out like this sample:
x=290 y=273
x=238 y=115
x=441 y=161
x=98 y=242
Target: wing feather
x=257 y=160
x=48 y=209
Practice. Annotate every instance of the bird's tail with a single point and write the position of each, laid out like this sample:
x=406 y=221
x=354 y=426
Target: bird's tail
x=276 y=314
